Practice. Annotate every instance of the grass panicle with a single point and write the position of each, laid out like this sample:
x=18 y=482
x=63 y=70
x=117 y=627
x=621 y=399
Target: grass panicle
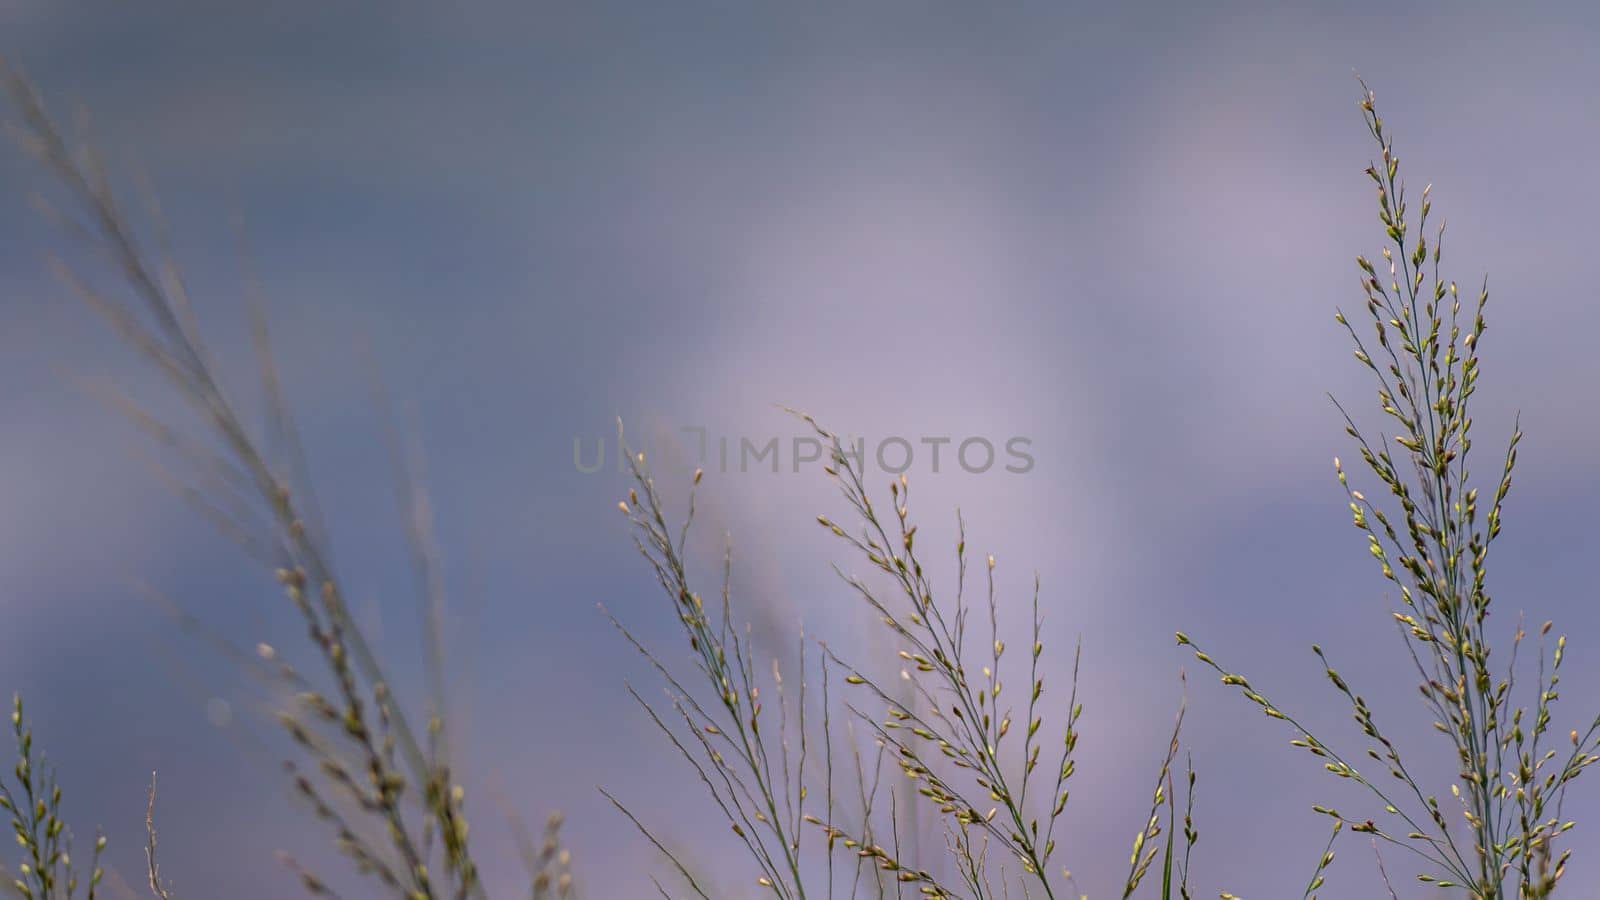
x=1494 y=838
x=946 y=724
x=46 y=871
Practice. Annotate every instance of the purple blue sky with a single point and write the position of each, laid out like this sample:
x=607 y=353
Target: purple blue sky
x=1119 y=231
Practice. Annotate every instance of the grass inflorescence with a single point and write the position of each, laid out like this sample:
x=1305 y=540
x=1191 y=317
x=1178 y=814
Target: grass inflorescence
x=1495 y=836
x=33 y=802
x=947 y=725
x=795 y=762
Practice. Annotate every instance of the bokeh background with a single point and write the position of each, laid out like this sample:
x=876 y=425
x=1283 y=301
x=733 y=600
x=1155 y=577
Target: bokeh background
x=1118 y=230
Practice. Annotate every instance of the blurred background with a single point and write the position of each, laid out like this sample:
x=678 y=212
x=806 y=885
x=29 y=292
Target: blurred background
x=1117 y=231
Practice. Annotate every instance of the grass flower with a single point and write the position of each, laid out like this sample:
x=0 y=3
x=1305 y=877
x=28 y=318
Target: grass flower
x=1429 y=531
x=46 y=871
x=947 y=724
